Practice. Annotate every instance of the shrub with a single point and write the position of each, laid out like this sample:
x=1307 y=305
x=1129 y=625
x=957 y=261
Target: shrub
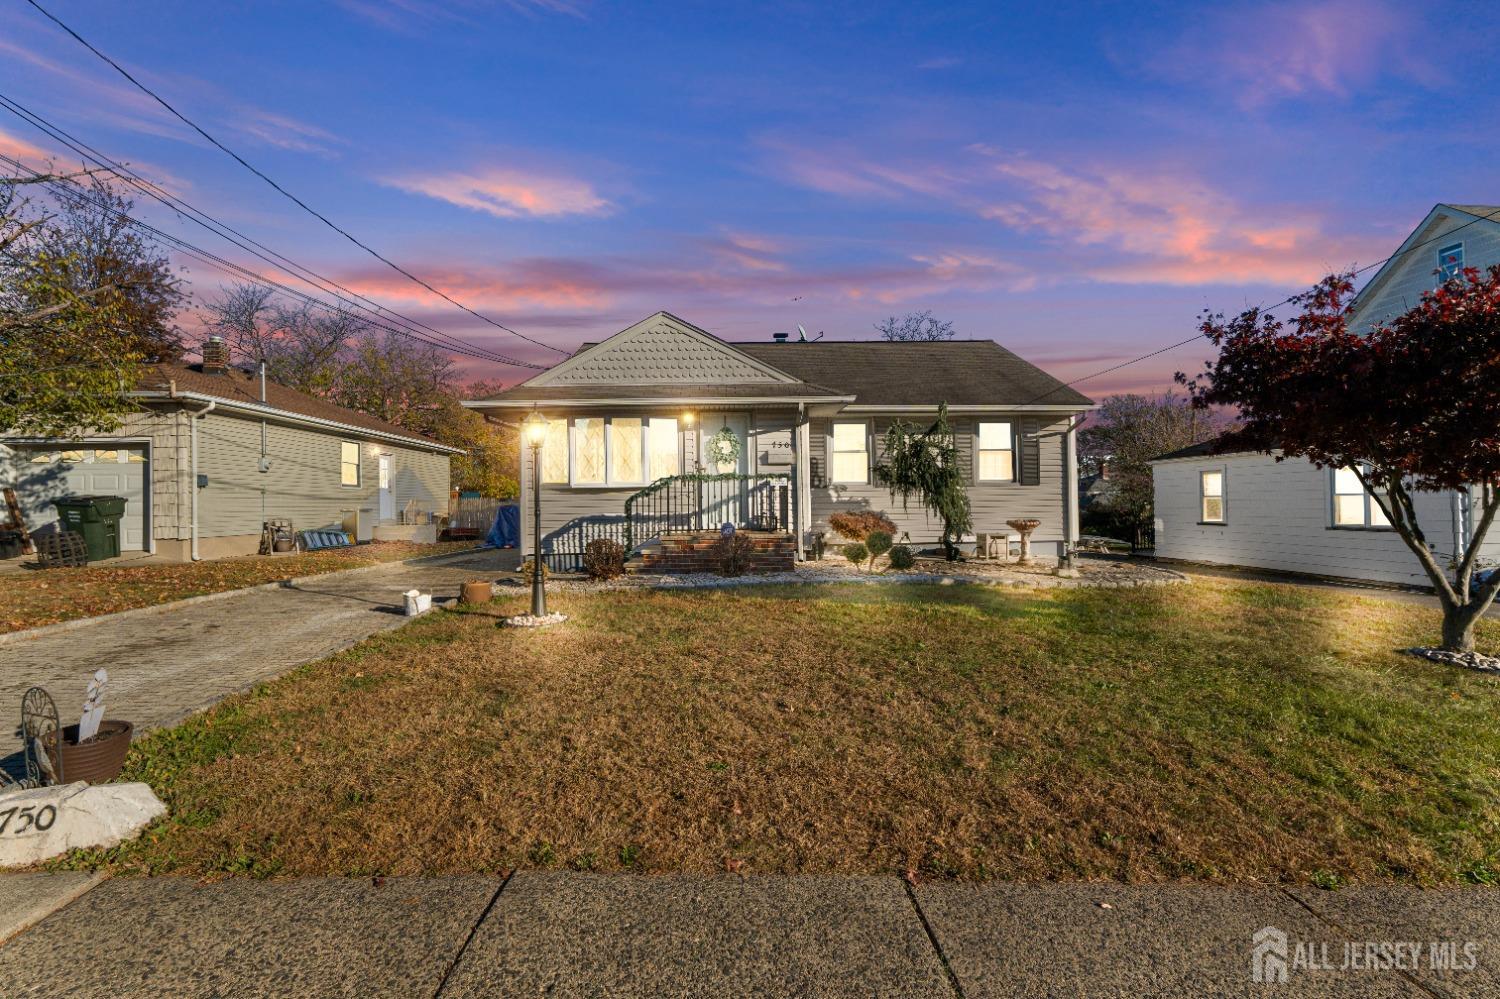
x=902 y=557
x=604 y=558
x=525 y=569
x=856 y=526
x=733 y=552
x=879 y=542
x=856 y=552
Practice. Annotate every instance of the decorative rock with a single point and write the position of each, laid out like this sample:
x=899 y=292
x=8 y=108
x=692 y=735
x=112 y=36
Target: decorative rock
x=47 y=821
x=1468 y=660
x=417 y=602
x=527 y=621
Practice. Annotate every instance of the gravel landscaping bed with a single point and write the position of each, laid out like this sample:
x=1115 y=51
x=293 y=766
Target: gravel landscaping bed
x=1091 y=573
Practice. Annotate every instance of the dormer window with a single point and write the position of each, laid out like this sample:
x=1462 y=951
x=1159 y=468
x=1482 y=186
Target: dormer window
x=1450 y=260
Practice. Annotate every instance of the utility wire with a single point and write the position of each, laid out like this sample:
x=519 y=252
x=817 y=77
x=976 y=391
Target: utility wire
x=237 y=270
x=227 y=232
x=1197 y=336
x=281 y=190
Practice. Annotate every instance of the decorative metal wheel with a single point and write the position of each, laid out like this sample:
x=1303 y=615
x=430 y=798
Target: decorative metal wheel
x=39 y=729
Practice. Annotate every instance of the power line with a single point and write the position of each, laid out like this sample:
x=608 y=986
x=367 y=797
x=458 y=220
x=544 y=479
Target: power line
x=1197 y=336
x=281 y=190
x=227 y=232
x=229 y=267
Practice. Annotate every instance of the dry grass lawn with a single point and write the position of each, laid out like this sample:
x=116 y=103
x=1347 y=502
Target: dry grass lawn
x=30 y=598
x=1225 y=731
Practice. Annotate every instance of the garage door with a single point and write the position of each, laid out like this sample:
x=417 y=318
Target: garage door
x=43 y=474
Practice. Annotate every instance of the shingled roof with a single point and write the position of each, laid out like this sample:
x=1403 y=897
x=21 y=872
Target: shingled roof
x=238 y=386
x=882 y=373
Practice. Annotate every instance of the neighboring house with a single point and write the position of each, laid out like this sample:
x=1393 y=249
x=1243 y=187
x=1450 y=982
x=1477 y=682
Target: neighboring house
x=213 y=451
x=632 y=417
x=1228 y=502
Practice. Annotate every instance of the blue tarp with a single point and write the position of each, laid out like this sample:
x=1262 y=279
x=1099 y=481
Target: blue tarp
x=506 y=531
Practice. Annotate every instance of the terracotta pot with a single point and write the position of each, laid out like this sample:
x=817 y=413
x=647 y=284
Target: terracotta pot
x=476 y=591
x=100 y=759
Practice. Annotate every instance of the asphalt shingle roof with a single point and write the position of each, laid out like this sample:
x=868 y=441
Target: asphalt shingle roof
x=237 y=385
x=1232 y=442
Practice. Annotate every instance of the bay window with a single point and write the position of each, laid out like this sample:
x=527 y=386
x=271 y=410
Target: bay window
x=610 y=450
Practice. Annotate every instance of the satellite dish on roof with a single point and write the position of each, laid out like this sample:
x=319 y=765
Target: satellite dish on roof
x=801 y=334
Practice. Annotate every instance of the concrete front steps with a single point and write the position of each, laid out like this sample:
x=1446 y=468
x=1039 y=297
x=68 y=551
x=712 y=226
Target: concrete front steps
x=694 y=552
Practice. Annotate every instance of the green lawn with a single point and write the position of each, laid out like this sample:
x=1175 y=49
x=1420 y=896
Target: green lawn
x=1224 y=731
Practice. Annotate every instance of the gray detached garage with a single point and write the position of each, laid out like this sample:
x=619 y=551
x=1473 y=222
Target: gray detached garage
x=44 y=473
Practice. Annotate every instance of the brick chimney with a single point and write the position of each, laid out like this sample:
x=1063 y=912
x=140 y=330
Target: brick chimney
x=215 y=356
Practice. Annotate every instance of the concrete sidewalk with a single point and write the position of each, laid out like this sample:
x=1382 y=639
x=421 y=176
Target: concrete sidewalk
x=564 y=934
x=164 y=666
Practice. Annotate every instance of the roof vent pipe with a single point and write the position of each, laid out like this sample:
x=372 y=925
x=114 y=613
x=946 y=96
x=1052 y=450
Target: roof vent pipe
x=262 y=379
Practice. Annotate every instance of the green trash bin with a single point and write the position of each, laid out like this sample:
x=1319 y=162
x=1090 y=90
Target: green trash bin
x=97 y=518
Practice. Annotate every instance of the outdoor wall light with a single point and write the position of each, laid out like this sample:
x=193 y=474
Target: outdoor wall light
x=687 y=419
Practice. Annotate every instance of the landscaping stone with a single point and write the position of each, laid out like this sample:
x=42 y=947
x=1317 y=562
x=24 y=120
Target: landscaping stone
x=49 y=821
x=1468 y=660
x=528 y=621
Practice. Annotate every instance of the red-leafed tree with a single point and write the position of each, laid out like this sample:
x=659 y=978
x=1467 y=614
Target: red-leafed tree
x=1411 y=405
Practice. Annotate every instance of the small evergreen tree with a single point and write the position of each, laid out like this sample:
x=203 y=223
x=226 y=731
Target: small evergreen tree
x=924 y=463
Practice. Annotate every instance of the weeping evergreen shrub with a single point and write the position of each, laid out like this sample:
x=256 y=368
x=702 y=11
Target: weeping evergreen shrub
x=924 y=464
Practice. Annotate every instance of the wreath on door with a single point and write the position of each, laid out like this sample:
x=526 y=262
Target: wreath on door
x=724 y=448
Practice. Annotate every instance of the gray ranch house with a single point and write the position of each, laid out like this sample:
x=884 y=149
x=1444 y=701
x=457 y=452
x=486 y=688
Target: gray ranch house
x=1231 y=502
x=212 y=451
x=637 y=443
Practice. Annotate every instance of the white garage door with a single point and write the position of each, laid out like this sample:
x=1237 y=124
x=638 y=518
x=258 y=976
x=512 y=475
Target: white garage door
x=45 y=473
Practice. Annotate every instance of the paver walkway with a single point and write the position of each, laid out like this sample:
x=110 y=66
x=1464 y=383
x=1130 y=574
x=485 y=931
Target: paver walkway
x=564 y=935
x=179 y=659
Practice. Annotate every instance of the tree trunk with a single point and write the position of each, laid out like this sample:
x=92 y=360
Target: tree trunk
x=1458 y=627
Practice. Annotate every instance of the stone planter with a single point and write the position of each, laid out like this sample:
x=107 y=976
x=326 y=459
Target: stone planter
x=98 y=760
x=476 y=591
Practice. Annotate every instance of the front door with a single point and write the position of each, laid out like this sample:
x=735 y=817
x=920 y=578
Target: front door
x=387 y=502
x=722 y=501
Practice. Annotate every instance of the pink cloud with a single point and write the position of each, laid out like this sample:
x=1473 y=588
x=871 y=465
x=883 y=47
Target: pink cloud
x=509 y=193
x=1173 y=229
x=22 y=150
x=285 y=132
x=1290 y=50
x=846 y=172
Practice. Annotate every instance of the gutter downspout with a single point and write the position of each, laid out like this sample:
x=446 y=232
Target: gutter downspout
x=263 y=467
x=193 y=423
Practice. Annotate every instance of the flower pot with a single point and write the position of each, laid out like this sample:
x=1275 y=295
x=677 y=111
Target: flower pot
x=98 y=760
x=476 y=591
x=284 y=545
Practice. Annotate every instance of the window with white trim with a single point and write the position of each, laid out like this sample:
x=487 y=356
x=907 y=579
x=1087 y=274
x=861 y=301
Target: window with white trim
x=664 y=447
x=1353 y=505
x=610 y=450
x=590 y=451
x=849 y=453
x=1450 y=261
x=349 y=463
x=997 y=452
x=555 y=453
x=1211 y=497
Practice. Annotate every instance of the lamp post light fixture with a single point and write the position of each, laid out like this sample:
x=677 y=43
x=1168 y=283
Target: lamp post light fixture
x=536 y=432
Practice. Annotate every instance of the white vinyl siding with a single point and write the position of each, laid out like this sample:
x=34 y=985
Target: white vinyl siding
x=349 y=463
x=850 y=453
x=1211 y=496
x=997 y=452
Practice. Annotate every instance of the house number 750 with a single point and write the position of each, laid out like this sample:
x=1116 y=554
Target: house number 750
x=26 y=816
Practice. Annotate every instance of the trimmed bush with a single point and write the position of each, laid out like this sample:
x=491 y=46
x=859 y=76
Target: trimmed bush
x=856 y=526
x=902 y=557
x=604 y=558
x=526 y=569
x=879 y=542
x=733 y=553
x=856 y=552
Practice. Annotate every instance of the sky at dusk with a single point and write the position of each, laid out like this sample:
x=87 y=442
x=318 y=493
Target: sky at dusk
x=1075 y=181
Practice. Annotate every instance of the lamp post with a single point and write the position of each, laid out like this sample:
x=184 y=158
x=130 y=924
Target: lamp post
x=536 y=432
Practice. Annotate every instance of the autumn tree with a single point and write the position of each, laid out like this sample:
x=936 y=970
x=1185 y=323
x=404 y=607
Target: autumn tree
x=85 y=301
x=915 y=326
x=303 y=345
x=1125 y=433
x=1410 y=405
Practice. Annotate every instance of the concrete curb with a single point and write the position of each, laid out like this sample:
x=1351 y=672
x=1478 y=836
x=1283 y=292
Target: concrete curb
x=62 y=626
x=17 y=920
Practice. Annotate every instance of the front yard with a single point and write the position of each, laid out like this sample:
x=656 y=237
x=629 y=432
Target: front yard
x=31 y=598
x=1224 y=731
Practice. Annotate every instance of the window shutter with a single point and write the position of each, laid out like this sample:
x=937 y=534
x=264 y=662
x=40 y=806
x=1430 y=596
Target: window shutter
x=1029 y=453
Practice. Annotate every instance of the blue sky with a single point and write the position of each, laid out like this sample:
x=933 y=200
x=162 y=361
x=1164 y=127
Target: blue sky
x=1076 y=181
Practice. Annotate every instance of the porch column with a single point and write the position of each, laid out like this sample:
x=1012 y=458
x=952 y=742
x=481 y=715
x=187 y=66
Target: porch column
x=1071 y=527
x=802 y=462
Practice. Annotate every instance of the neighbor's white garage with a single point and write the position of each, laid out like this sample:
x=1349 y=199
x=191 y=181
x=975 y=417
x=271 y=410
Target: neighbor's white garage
x=43 y=474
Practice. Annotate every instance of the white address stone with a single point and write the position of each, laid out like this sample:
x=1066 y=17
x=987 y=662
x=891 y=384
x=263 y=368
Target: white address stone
x=47 y=821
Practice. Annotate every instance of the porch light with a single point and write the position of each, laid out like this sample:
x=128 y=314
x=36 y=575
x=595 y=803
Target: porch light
x=687 y=418
x=536 y=429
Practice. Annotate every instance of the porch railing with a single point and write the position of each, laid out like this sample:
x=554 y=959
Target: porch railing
x=704 y=502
